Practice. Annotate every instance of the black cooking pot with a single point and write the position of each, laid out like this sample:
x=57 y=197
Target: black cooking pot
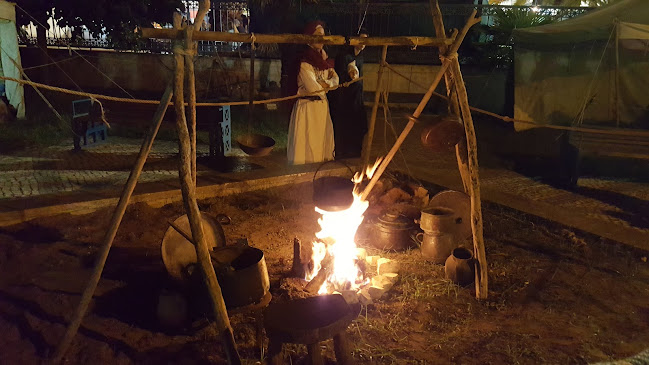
x=333 y=193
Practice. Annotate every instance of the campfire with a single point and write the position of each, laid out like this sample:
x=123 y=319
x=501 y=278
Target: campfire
x=337 y=264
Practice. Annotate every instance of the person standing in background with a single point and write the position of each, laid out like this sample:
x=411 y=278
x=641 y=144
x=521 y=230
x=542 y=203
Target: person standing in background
x=310 y=133
x=346 y=103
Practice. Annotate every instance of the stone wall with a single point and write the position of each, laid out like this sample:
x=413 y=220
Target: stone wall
x=146 y=75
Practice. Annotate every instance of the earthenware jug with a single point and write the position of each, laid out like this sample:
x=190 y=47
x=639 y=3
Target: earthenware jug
x=459 y=267
x=436 y=246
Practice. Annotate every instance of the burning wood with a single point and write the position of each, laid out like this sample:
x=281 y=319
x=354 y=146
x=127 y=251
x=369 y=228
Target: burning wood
x=319 y=279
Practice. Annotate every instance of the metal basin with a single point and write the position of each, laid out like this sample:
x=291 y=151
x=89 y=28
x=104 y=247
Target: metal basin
x=256 y=144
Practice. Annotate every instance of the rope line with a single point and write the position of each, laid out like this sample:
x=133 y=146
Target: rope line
x=51 y=63
x=156 y=102
x=619 y=132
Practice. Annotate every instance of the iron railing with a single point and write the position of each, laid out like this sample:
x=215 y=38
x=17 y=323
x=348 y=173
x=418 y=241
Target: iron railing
x=380 y=19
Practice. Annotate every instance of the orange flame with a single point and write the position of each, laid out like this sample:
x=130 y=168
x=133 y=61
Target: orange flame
x=336 y=237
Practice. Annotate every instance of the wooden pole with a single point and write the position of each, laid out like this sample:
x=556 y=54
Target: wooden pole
x=420 y=108
x=188 y=189
x=617 y=73
x=297 y=38
x=190 y=47
x=375 y=107
x=251 y=87
x=116 y=219
x=481 y=287
x=451 y=94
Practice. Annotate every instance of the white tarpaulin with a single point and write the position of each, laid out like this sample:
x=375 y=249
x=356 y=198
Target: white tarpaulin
x=592 y=69
x=10 y=57
x=633 y=31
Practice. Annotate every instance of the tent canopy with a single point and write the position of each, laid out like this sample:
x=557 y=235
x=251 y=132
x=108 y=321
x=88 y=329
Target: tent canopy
x=591 y=69
x=594 y=25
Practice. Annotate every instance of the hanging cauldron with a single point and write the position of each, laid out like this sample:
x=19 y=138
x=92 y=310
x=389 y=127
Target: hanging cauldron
x=443 y=134
x=333 y=193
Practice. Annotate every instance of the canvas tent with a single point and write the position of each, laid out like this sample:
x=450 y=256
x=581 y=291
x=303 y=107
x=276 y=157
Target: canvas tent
x=589 y=70
x=10 y=57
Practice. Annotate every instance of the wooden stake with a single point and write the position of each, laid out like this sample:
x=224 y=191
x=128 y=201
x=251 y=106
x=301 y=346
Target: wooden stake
x=116 y=219
x=481 y=272
x=451 y=94
x=298 y=269
x=375 y=107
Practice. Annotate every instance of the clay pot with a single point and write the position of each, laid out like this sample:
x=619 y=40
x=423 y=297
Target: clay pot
x=459 y=267
x=436 y=247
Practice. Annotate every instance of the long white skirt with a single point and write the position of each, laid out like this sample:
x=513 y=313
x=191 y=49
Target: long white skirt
x=310 y=133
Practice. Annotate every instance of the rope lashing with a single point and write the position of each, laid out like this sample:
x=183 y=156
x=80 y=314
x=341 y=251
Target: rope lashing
x=416 y=44
x=252 y=41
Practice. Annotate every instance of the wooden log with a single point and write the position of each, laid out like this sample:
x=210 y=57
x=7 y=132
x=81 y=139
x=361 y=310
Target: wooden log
x=314 y=285
x=375 y=107
x=116 y=219
x=481 y=272
x=451 y=94
x=296 y=38
x=298 y=269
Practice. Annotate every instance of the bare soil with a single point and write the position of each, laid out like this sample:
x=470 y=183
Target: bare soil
x=555 y=296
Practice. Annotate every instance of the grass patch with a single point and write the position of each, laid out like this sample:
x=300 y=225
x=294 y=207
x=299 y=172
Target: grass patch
x=35 y=132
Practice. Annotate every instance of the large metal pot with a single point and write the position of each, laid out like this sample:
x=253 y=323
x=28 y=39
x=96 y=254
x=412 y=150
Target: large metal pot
x=394 y=232
x=243 y=277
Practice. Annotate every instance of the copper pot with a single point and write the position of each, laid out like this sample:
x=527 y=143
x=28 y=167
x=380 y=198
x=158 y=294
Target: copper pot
x=394 y=232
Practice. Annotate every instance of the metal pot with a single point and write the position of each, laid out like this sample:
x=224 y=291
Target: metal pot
x=437 y=219
x=332 y=193
x=243 y=277
x=394 y=232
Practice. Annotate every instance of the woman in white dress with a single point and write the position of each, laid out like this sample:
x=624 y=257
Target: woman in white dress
x=310 y=133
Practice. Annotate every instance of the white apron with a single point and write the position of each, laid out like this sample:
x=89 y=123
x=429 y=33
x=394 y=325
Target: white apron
x=310 y=132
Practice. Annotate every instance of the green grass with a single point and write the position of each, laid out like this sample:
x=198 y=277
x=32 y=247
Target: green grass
x=38 y=131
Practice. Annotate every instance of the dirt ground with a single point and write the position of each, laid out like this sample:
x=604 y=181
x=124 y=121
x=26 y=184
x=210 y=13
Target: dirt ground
x=555 y=296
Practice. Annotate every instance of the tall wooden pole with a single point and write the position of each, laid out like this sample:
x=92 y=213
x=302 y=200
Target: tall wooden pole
x=617 y=73
x=188 y=189
x=191 y=91
x=116 y=219
x=451 y=93
x=375 y=107
x=481 y=273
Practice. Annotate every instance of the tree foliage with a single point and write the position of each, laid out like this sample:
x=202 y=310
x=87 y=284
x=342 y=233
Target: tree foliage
x=115 y=18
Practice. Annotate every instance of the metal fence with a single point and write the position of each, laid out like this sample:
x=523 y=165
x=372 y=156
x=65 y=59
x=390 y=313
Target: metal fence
x=380 y=19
